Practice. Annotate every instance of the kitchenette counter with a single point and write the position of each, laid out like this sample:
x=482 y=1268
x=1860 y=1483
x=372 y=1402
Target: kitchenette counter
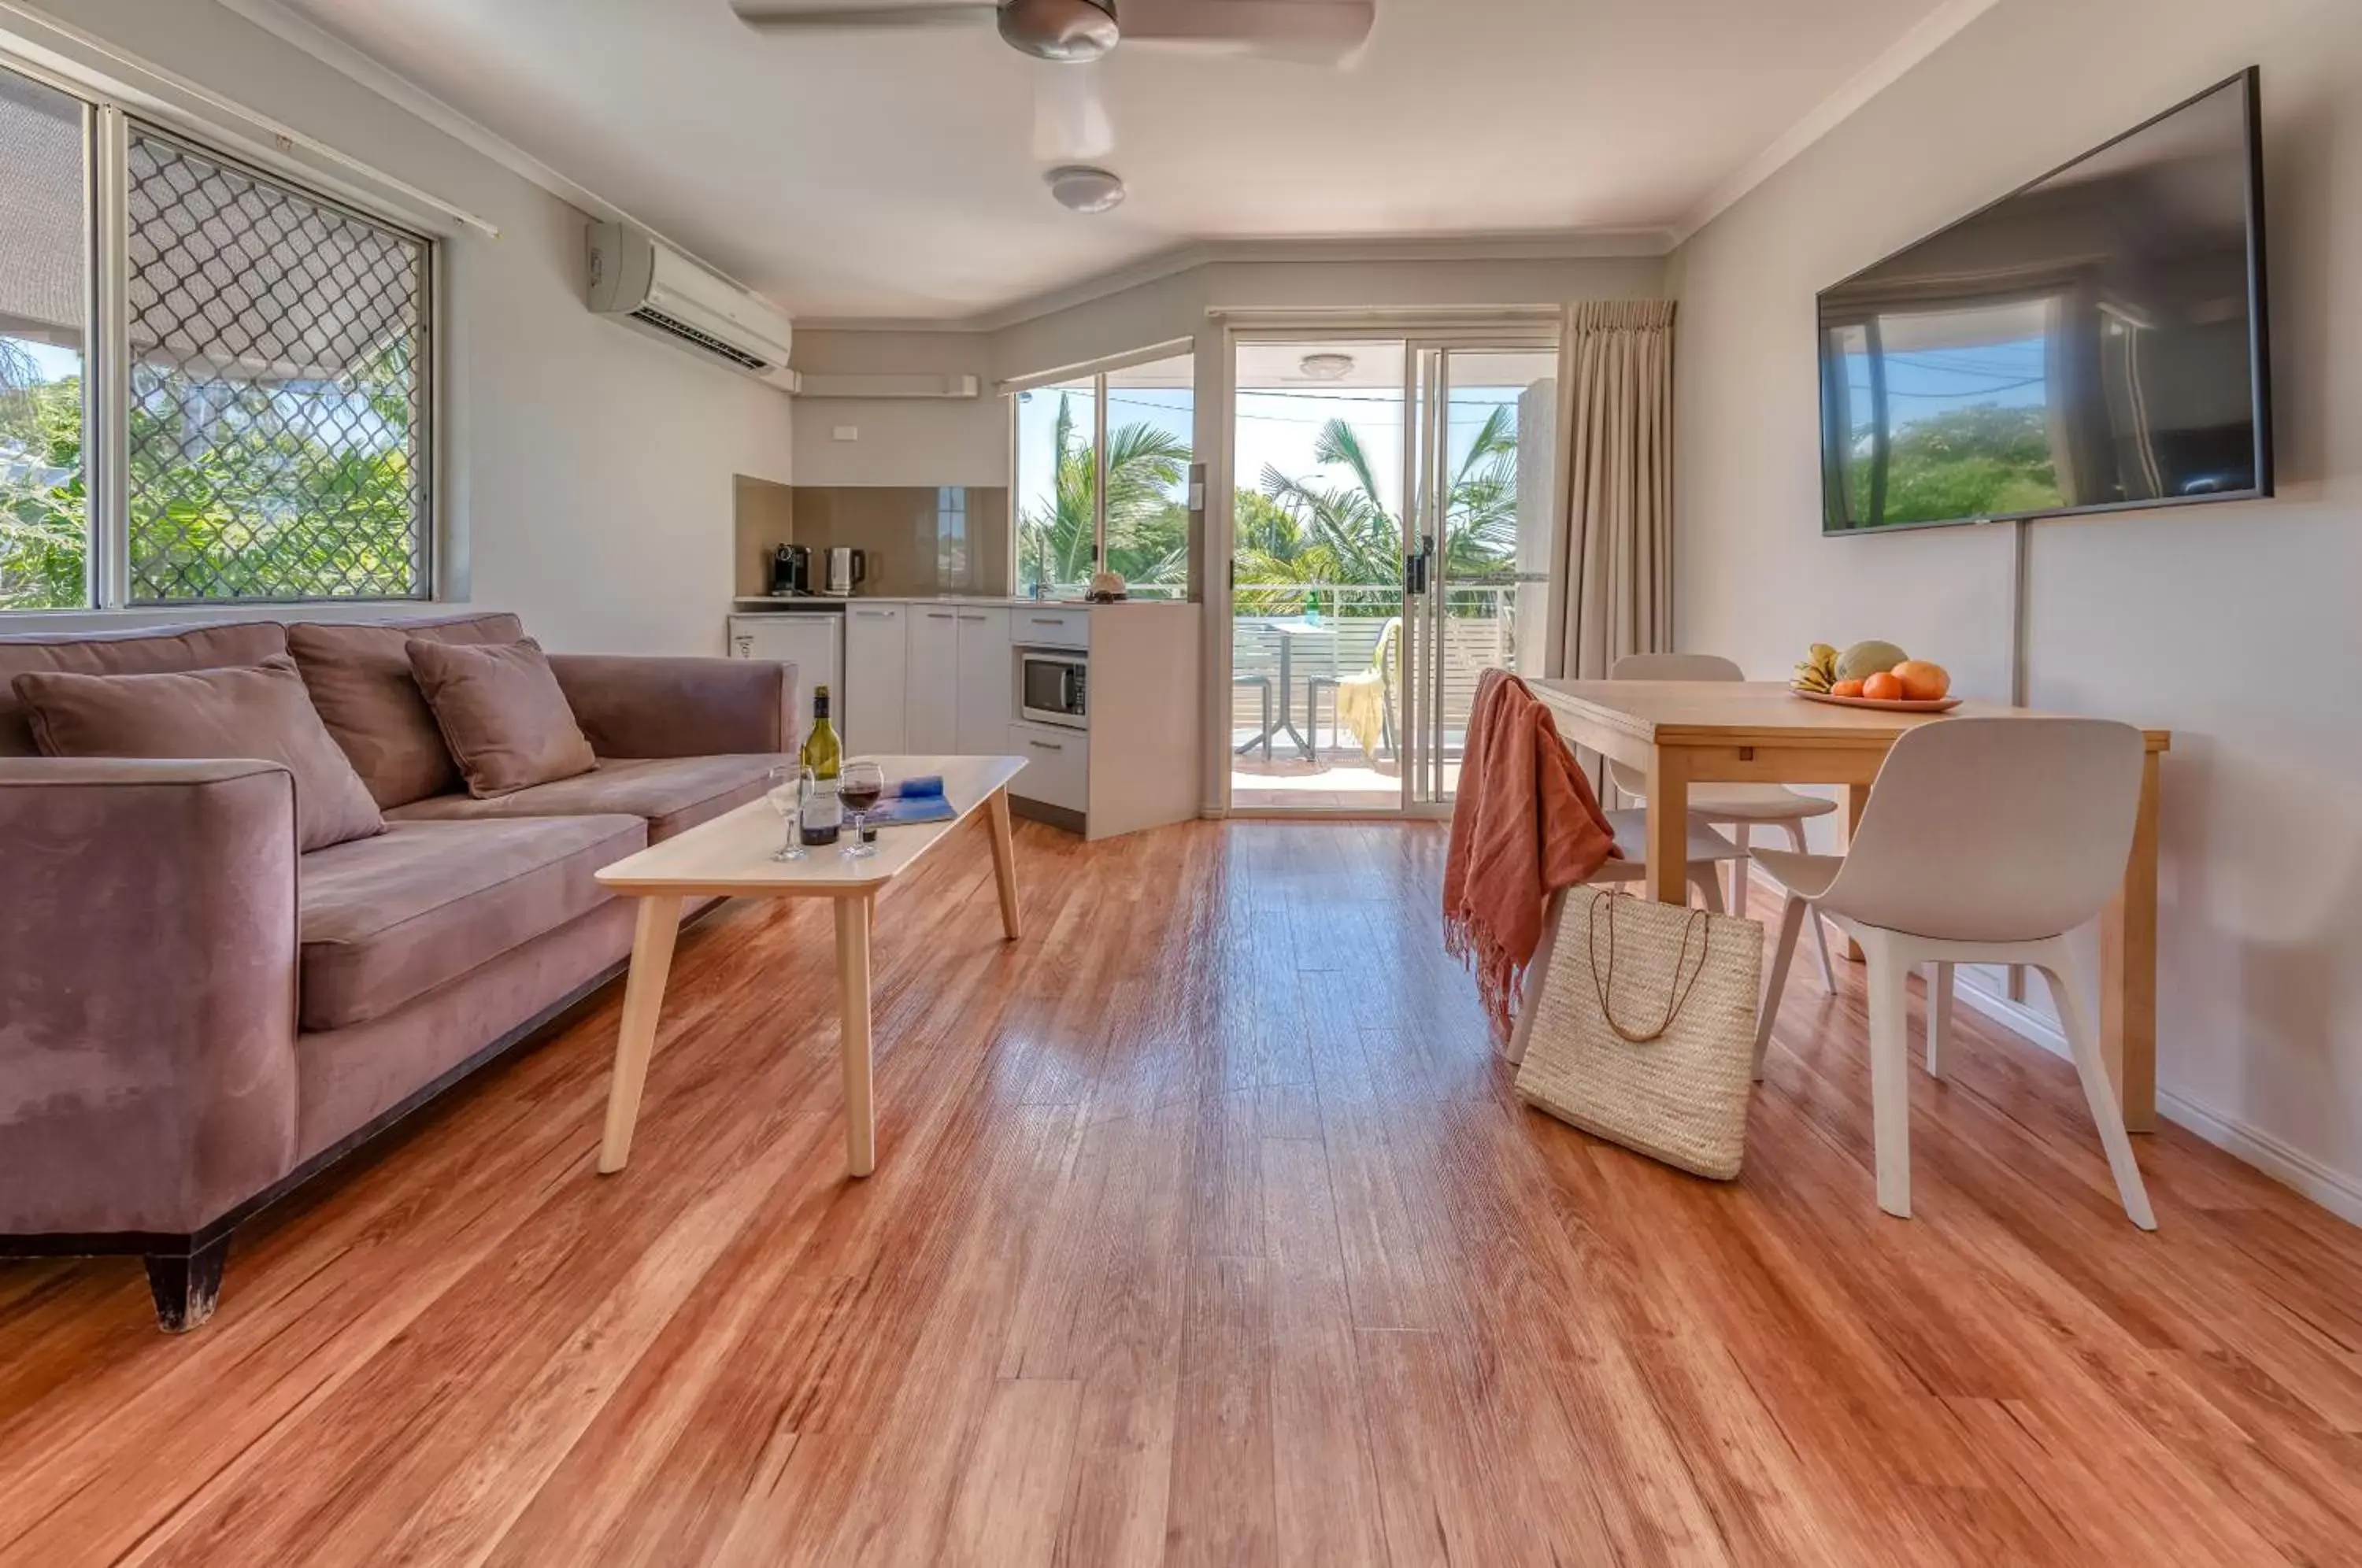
x=758 y=603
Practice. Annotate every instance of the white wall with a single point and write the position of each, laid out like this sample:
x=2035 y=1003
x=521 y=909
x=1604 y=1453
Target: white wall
x=589 y=468
x=901 y=441
x=954 y=443
x=2234 y=624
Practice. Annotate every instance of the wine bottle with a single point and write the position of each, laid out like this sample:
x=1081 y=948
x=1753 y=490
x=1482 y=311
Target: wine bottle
x=823 y=816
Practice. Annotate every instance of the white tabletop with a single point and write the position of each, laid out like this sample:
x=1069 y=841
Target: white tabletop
x=730 y=856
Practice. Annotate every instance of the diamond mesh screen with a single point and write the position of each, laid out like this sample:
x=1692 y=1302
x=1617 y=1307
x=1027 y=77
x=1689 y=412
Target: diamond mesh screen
x=278 y=423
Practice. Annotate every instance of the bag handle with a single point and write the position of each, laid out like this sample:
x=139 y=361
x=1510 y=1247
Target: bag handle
x=1677 y=993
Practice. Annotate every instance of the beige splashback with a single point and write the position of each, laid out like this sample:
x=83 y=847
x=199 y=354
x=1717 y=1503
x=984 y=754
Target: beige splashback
x=766 y=514
x=920 y=540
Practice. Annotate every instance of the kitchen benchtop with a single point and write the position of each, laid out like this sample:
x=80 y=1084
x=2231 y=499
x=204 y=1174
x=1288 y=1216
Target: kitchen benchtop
x=823 y=602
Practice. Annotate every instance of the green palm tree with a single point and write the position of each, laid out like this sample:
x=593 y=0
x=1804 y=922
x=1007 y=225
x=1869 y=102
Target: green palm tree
x=1294 y=531
x=1147 y=526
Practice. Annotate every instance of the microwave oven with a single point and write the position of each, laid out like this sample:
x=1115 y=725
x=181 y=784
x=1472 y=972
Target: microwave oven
x=1053 y=687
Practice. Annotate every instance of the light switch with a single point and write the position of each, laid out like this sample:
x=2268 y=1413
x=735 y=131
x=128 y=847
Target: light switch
x=848 y=433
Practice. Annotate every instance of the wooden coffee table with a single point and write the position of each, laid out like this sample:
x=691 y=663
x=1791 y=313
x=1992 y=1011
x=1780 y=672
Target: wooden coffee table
x=730 y=857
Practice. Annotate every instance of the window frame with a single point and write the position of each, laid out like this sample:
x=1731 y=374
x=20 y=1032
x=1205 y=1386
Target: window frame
x=110 y=127
x=1096 y=372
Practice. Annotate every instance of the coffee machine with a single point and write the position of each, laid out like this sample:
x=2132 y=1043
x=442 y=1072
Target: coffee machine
x=791 y=571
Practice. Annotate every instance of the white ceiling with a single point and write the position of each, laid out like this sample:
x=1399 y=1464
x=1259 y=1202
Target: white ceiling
x=892 y=174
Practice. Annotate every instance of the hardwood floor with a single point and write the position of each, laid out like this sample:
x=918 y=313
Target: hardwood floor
x=1204 y=1229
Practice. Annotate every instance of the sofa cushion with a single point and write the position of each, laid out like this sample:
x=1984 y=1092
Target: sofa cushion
x=671 y=793
x=384 y=920
x=502 y=713
x=260 y=711
x=360 y=681
x=159 y=651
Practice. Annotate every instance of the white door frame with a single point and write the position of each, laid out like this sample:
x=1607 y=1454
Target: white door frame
x=1475 y=329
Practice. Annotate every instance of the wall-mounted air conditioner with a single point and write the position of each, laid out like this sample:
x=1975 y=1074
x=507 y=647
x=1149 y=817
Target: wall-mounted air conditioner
x=646 y=285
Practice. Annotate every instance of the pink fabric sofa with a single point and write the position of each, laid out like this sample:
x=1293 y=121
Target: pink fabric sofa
x=195 y=1018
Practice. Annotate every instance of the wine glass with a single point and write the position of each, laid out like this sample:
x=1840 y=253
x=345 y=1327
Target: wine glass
x=859 y=786
x=786 y=788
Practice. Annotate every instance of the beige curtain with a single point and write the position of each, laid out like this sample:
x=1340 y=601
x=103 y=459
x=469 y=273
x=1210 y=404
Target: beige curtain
x=1613 y=579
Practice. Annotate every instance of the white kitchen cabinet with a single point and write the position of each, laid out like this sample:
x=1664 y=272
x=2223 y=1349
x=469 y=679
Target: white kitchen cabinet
x=1057 y=766
x=1035 y=626
x=877 y=658
x=985 y=693
x=931 y=681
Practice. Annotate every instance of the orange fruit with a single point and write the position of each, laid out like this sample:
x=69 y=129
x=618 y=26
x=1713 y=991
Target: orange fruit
x=1846 y=688
x=1884 y=687
x=1923 y=681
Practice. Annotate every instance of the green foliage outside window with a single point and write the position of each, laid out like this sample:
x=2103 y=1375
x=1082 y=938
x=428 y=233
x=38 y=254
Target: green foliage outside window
x=250 y=504
x=1290 y=534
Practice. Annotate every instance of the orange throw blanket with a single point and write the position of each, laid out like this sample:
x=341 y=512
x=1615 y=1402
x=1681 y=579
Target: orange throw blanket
x=1526 y=825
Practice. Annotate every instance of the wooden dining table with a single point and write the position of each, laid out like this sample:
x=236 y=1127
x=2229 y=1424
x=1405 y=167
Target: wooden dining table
x=1682 y=732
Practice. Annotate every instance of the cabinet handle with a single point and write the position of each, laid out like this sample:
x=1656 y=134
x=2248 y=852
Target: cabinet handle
x=1044 y=745
x=874 y=615
x=1049 y=621
x=939 y=614
x=976 y=617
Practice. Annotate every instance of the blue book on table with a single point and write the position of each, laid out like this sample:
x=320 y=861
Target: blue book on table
x=910 y=802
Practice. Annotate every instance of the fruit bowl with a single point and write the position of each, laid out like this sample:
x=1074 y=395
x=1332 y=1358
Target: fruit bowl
x=1892 y=704
x=1873 y=675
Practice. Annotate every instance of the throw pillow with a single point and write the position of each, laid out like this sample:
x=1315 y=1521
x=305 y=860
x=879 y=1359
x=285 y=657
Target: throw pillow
x=258 y=711
x=502 y=714
x=360 y=681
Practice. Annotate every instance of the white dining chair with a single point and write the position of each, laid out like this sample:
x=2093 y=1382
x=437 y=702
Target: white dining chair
x=1984 y=840
x=1708 y=853
x=1736 y=809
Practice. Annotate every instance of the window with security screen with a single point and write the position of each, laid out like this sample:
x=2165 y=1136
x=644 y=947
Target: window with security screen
x=277 y=429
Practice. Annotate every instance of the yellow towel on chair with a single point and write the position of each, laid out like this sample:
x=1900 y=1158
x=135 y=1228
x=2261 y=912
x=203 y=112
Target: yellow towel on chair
x=1362 y=710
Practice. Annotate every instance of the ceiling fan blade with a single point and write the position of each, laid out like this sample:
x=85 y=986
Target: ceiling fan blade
x=1070 y=118
x=784 y=16
x=1316 y=32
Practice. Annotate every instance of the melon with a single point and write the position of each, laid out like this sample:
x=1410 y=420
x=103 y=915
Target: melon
x=1863 y=660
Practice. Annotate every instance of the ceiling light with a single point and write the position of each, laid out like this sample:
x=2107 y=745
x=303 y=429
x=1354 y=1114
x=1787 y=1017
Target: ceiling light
x=1067 y=31
x=1327 y=367
x=1081 y=188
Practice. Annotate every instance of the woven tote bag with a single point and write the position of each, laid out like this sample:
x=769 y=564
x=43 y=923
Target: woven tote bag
x=1644 y=1029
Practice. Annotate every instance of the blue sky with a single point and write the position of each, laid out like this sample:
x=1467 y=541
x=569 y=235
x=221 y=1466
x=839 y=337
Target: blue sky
x=1275 y=427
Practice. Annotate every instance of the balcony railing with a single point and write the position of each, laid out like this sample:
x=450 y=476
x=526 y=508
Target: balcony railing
x=1480 y=626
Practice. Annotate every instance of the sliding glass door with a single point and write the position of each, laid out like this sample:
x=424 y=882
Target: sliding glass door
x=1478 y=554
x=1391 y=513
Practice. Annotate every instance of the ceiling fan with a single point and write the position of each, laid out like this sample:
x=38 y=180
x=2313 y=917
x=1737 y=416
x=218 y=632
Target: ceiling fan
x=1070 y=123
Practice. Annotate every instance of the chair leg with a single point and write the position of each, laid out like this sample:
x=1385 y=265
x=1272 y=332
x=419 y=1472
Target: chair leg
x=1266 y=721
x=2057 y=968
x=1740 y=868
x=1940 y=1015
x=1820 y=927
x=1707 y=881
x=1536 y=977
x=1793 y=915
x=1890 y=1083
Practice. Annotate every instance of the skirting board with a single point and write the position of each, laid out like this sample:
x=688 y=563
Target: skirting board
x=2333 y=1189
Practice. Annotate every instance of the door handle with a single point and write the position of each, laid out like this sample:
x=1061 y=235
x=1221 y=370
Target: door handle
x=1415 y=569
x=1044 y=745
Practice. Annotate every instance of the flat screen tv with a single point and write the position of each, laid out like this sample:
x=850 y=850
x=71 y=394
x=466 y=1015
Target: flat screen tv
x=2093 y=342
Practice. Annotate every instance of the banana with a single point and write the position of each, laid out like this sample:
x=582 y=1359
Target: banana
x=1817 y=670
